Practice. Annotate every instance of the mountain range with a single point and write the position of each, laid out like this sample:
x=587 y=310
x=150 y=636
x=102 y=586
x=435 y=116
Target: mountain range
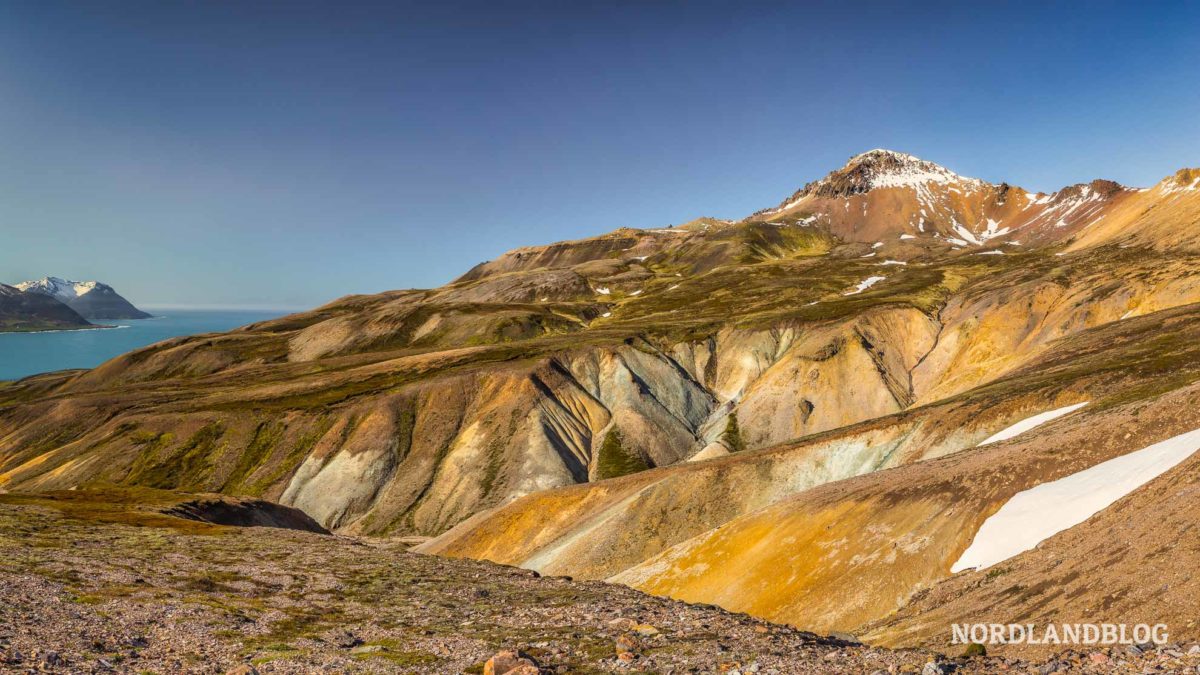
x=57 y=304
x=820 y=414
x=90 y=299
x=21 y=312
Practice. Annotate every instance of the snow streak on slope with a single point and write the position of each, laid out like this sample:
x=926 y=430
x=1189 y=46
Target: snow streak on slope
x=1030 y=422
x=864 y=285
x=1047 y=509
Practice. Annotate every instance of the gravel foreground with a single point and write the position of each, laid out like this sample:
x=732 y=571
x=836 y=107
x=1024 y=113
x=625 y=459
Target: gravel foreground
x=99 y=591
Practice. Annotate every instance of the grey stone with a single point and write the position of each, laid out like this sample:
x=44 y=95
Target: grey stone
x=368 y=649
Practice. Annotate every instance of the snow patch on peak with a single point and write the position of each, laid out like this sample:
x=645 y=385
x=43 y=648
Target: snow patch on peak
x=888 y=168
x=61 y=289
x=883 y=152
x=881 y=168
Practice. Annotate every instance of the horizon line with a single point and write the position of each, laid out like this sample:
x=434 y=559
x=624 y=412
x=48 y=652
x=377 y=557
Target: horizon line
x=242 y=308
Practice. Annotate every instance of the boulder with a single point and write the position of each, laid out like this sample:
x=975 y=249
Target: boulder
x=511 y=662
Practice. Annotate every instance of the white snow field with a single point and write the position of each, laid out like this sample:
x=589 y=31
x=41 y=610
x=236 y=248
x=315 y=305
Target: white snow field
x=1029 y=423
x=62 y=289
x=1047 y=509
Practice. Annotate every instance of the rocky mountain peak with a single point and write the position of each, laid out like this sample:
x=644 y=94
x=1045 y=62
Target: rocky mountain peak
x=881 y=168
x=91 y=299
x=1096 y=190
x=63 y=289
x=1187 y=179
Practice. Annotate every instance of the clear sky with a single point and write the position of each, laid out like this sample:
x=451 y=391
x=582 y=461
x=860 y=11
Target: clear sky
x=286 y=153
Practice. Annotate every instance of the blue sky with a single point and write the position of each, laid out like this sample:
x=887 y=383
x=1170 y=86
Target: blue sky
x=284 y=154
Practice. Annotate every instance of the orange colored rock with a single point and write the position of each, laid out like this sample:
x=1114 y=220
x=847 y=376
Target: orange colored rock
x=510 y=662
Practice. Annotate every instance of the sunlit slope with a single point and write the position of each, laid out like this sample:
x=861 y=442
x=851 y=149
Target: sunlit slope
x=601 y=529
x=853 y=552
x=1130 y=563
x=410 y=411
x=1164 y=217
x=882 y=194
x=748 y=533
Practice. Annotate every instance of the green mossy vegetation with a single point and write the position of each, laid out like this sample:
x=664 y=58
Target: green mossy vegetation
x=266 y=437
x=763 y=241
x=295 y=455
x=307 y=621
x=184 y=469
x=614 y=459
x=732 y=438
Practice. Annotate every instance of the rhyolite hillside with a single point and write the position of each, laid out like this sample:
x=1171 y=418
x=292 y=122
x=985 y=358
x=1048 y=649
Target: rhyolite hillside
x=830 y=365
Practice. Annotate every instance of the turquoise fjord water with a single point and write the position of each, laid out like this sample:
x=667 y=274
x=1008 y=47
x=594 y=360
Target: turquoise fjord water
x=23 y=354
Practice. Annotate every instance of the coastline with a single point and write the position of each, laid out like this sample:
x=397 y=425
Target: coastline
x=55 y=348
x=60 y=330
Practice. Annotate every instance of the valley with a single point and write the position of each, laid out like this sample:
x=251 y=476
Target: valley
x=808 y=415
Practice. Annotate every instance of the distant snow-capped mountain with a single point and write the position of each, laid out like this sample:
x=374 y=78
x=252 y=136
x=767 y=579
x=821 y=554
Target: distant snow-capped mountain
x=21 y=311
x=60 y=288
x=91 y=299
